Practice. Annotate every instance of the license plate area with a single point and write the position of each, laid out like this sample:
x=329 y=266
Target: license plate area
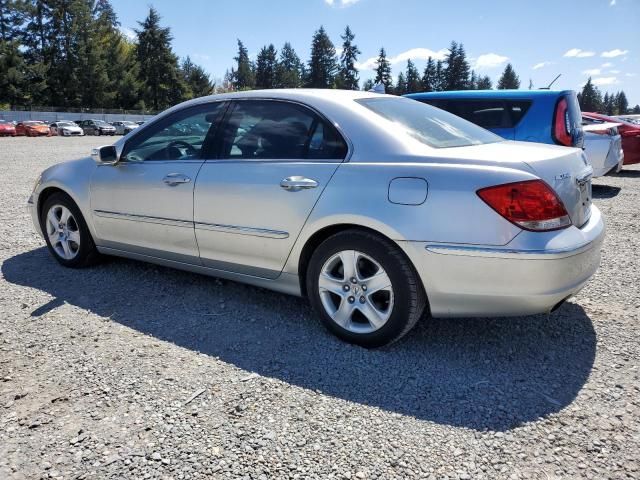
x=584 y=186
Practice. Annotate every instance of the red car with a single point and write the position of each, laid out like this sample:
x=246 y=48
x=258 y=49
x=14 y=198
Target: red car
x=7 y=129
x=33 y=128
x=630 y=133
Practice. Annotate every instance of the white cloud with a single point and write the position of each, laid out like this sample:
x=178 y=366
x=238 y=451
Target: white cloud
x=616 y=52
x=612 y=3
x=607 y=65
x=413 y=54
x=490 y=60
x=593 y=71
x=615 y=72
x=340 y=3
x=605 y=81
x=128 y=33
x=630 y=74
x=540 y=65
x=576 y=52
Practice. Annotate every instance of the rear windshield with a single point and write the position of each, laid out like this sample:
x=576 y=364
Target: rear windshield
x=431 y=126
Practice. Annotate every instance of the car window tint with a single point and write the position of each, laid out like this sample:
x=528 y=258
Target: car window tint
x=486 y=113
x=179 y=136
x=270 y=130
x=431 y=126
x=518 y=110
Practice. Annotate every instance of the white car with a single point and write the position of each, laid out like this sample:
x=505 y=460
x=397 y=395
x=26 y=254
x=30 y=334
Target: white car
x=603 y=146
x=66 y=128
x=124 y=126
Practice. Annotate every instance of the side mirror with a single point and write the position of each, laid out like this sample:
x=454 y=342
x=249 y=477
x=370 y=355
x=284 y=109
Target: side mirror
x=107 y=155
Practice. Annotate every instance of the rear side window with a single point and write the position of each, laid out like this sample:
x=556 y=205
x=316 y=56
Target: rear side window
x=488 y=113
x=274 y=130
x=518 y=109
x=429 y=125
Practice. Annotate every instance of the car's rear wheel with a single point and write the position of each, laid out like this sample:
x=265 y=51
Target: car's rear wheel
x=364 y=288
x=66 y=232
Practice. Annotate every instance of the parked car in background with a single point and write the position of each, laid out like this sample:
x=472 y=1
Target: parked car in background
x=66 y=128
x=603 y=146
x=324 y=193
x=543 y=116
x=140 y=122
x=32 y=128
x=630 y=133
x=97 y=127
x=7 y=129
x=635 y=119
x=123 y=127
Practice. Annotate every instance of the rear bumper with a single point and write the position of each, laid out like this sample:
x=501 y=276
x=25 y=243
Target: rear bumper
x=478 y=281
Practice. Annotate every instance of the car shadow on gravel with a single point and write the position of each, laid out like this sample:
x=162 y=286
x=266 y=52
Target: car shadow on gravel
x=480 y=374
x=628 y=173
x=604 y=191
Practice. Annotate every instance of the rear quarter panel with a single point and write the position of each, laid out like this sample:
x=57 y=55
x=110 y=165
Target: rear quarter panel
x=535 y=126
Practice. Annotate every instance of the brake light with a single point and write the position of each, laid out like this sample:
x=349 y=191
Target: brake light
x=562 y=124
x=531 y=205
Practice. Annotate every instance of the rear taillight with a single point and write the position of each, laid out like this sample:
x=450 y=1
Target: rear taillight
x=531 y=205
x=562 y=124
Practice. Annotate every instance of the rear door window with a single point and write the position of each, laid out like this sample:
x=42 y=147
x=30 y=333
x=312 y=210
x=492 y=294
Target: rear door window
x=486 y=113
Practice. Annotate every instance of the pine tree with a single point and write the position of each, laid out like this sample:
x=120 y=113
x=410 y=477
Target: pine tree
x=368 y=85
x=383 y=71
x=622 y=104
x=197 y=81
x=412 y=78
x=473 y=81
x=636 y=110
x=590 y=98
x=11 y=20
x=509 y=80
x=290 y=69
x=243 y=75
x=323 y=66
x=348 y=74
x=401 y=85
x=484 y=83
x=159 y=72
x=266 y=67
x=429 y=79
x=14 y=88
x=456 y=73
x=440 y=79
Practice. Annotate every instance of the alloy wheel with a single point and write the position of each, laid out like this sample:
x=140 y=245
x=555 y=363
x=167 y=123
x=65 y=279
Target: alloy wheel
x=63 y=232
x=356 y=292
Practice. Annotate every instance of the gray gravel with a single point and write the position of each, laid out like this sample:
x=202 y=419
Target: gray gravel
x=128 y=370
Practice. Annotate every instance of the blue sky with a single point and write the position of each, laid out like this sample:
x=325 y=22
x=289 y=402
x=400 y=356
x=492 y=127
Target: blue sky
x=542 y=38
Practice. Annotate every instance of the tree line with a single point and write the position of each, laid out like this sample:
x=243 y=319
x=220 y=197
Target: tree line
x=592 y=100
x=71 y=53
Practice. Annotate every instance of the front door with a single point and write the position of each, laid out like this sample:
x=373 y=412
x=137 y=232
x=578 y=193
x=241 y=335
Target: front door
x=274 y=160
x=144 y=203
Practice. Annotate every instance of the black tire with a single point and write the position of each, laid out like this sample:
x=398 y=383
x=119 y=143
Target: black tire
x=409 y=296
x=98 y=132
x=87 y=253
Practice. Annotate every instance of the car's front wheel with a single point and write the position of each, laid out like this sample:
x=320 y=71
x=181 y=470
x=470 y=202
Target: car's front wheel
x=364 y=288
x=66 y=233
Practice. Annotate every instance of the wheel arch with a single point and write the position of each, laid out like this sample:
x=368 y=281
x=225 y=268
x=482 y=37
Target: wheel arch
x=323 y=233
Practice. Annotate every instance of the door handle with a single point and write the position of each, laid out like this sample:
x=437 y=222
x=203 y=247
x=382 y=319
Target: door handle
x=296 y=183
x=174 y=179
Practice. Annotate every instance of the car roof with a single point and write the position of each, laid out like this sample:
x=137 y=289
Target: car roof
x=478 y=94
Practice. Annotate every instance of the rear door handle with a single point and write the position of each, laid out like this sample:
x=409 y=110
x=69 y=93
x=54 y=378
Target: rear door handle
x=174 y=179
x=296 y=183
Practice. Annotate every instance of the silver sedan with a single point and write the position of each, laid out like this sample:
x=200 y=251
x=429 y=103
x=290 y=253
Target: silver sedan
x=379 y=209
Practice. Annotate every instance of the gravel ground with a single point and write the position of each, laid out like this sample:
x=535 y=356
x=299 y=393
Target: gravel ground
x=128 y=370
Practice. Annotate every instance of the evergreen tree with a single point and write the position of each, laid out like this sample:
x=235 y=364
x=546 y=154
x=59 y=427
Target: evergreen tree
x=509 y=80
x=196 y=79
x=484 y=83
x=440 y=79
x=323 y=66
x=530 y=84
x=14 y=87
x=11 y=19
x=348 y=74
x=243 y=75
x=473 y=81
x=456 y=72
x=609 y=107
x=429 y=77
x=401 y=85
x=290 y=69
x=636 y=110
x=368 y=85
x=159 y=75
x=590 y=98
x=412 y=78
x=266 y=67
x=622 y=104
x=383 y=71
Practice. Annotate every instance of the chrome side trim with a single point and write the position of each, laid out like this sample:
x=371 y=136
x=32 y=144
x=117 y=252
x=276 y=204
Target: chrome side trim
x=144 y=218
x=256 y=232
x=490 y=252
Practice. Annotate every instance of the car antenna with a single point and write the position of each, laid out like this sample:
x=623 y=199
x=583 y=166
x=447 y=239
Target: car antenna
x=548 y=87
x=378 y=88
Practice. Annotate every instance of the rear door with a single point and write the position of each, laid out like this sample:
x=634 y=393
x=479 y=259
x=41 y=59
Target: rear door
x=273 y=161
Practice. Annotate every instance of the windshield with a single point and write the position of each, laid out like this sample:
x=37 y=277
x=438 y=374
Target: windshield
x=33 y=122
x=66 y=124
x=431 y=126
x=128 y=124
x=101 y=123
